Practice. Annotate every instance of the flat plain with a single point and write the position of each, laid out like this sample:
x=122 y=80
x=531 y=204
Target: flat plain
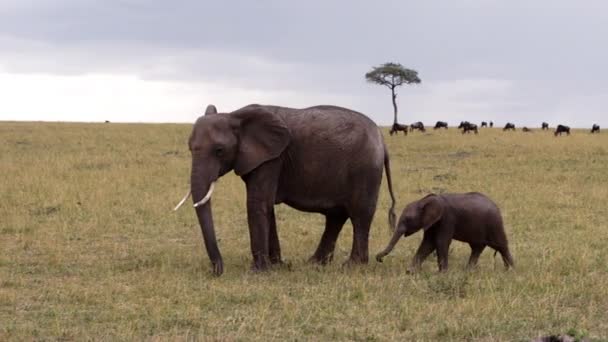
x=91 y=249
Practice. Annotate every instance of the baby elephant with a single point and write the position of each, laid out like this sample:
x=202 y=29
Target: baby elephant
x=471 y=217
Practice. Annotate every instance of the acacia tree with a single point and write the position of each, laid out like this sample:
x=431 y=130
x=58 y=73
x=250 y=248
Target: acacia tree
x=392 y=75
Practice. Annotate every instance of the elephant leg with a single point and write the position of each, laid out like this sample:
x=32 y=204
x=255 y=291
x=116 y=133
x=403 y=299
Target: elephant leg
x=361 y=212
x=427 y=246
x=261 y=190
x=507 y=258
x=257 y=217
x=361 y=224
x=333 y=225
x=443 y=248
x=274 y=248
x=475 y=253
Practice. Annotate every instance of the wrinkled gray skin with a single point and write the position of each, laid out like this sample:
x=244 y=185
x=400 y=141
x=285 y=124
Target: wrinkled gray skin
x=471 y=217
x=322 y=159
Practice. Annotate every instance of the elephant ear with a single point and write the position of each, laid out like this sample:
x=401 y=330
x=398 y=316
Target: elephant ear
x=210 y=110
x=263 y=136
x=431 y=209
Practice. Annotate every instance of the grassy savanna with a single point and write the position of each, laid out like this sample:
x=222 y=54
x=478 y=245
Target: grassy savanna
x=90 y=249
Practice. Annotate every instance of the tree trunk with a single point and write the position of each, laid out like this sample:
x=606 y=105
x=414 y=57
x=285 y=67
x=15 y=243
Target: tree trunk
x=394 y=97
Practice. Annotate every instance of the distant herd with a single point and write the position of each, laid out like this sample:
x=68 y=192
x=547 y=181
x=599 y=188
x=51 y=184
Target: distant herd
x=468 y=127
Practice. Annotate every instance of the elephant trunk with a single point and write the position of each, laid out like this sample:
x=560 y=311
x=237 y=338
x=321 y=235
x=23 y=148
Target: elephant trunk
x=396 y=236
x=201 y=195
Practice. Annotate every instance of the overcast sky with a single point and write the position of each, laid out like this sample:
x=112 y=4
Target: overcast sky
x=164 y=61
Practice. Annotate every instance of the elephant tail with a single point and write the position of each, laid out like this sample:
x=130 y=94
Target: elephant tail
x=387 y=168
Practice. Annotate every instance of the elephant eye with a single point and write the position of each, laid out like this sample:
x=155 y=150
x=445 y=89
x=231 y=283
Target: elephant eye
x=219 y=151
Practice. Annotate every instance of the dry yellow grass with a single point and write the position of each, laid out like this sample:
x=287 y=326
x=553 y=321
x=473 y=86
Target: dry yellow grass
x=90 y=249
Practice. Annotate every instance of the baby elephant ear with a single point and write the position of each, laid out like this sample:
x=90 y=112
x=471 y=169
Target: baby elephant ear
x=210 y=110
x=432 y=210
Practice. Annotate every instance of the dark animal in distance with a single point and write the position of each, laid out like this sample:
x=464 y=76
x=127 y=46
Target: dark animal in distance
x=526 y=129
x=417 y=125
x=441 y=124
x=484 y=124
x=107 y=121
x=470 y=217
x=509 y=126
x=491 y=124
x=398 y=127
x=595 y=128
x=282 y=154
x=559 y=338
x=561 y=129
x=467 y=127
x=545 y=126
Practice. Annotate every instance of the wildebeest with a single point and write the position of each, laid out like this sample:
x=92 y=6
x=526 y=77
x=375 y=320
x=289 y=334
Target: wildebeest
x=509 y=126
x=417 y=125
x=441 y=124
x=484 y=124
x=398 y=127
x=545 y=126
x=526 y=129
x=595 y=128
x=562 y=129
x=467 y=127
x=107 y=121
x=491 y=124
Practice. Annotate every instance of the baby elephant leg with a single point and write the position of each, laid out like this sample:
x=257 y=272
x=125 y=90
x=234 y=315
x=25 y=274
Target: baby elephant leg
x=507 y=259
x=475 y=253
x=427 y=246
x=443 y=248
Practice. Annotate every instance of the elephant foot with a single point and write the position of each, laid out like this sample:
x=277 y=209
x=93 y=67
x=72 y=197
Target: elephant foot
x=354 y=262
x=321 y=260
x=358 y=260
x=276 y=260
x=258 y=269
x=260 y=264
x=218 y=268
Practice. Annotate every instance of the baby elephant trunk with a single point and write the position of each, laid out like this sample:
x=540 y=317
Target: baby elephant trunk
x=396 y=236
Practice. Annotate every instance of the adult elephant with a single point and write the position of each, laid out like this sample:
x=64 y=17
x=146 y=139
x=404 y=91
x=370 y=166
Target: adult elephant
x=321 y=159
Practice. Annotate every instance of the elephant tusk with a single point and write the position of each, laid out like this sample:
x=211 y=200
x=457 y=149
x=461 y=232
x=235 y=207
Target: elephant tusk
x=182 y=201
x=207 y=196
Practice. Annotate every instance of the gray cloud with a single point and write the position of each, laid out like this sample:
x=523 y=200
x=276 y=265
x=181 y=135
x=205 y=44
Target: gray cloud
x=477 y=58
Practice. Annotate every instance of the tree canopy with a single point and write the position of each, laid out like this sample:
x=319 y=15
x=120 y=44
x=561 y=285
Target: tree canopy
x=392 y=75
